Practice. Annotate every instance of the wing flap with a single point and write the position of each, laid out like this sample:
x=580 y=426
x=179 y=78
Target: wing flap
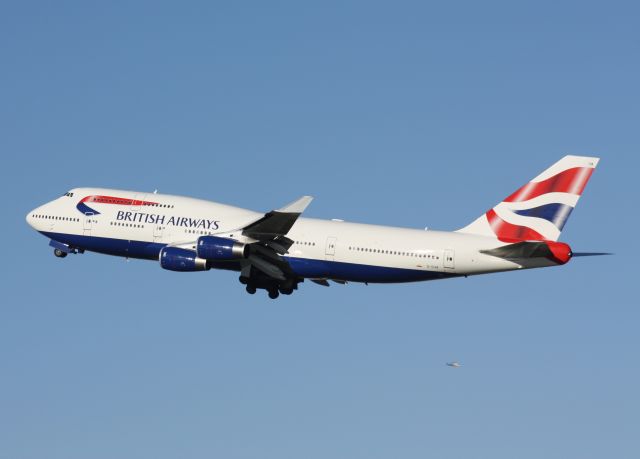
x=267 y=268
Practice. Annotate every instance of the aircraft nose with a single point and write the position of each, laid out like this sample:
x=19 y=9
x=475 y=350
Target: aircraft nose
x=31 y=217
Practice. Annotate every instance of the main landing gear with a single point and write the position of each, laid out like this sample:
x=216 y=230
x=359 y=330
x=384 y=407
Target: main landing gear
x=59 y=253
x=273 y=288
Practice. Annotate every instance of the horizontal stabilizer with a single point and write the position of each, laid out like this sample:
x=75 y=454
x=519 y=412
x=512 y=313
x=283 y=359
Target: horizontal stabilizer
x=519 y=250
x=557 y=252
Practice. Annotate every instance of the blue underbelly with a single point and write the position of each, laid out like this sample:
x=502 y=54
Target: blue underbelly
x=302 y=267
x=110 y=246
x=326 y=269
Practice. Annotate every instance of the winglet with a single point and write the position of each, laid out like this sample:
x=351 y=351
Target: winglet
x=298 y=206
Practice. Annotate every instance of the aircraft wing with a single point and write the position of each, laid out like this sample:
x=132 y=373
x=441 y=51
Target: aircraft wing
x=270 y=234
x=277 y=222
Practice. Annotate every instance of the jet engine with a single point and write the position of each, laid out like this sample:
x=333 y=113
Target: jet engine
x=221 y=248
x=177 y=259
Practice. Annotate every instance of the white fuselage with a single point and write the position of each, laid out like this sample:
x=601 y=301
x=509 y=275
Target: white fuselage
x=322 y=249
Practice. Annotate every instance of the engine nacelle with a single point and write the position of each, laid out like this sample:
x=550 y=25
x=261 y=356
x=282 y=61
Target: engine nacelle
x=221 y=248
x=184 y=260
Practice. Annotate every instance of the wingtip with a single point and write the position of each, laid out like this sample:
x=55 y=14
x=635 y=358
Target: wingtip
x=298 y=206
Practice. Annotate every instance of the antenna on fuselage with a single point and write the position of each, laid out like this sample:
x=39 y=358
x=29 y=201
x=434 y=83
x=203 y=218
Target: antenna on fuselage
x=155 y=191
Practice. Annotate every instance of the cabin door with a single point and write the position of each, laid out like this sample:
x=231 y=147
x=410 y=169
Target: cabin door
x=88 y=223
x=330 y=248
x=157 y=233
x=449 y=259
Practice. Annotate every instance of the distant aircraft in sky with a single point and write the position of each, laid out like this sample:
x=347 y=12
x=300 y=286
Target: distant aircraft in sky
x=278 y=250
x=454 y=364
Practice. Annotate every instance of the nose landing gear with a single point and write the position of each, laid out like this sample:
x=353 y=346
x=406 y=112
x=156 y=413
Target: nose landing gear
x=61 y=250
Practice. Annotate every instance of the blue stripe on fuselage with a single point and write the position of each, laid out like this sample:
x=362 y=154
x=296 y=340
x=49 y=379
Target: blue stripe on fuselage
x=303 y=267
x=85 y=209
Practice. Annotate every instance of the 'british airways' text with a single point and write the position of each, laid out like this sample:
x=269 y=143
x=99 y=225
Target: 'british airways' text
x=141 y=217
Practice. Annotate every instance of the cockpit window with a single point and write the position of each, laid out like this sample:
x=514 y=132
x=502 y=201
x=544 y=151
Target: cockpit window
x=69 y=194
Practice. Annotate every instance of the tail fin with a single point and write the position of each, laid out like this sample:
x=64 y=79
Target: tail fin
x=538 y=210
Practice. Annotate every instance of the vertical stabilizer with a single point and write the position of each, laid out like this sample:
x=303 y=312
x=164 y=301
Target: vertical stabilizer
x=538 y=210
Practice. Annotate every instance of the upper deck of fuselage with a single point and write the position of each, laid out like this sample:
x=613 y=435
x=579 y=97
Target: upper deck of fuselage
x=126 y=205
x=158 y=200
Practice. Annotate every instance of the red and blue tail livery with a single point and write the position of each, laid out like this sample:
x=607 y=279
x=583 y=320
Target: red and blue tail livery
x=278 y=250
x=538 y=210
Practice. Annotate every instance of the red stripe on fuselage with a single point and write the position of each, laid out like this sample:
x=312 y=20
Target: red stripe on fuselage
x=117 y=201
x=570 y=181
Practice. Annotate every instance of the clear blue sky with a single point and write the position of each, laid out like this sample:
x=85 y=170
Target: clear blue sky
x=401 y=113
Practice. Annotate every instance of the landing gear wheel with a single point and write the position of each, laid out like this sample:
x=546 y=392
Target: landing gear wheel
x=273 y=293
x=286 y=291
x=251 y=289
x=59 y=253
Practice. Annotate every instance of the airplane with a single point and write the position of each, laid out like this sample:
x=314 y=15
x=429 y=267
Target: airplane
x=278 y=250
x=454 y=364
